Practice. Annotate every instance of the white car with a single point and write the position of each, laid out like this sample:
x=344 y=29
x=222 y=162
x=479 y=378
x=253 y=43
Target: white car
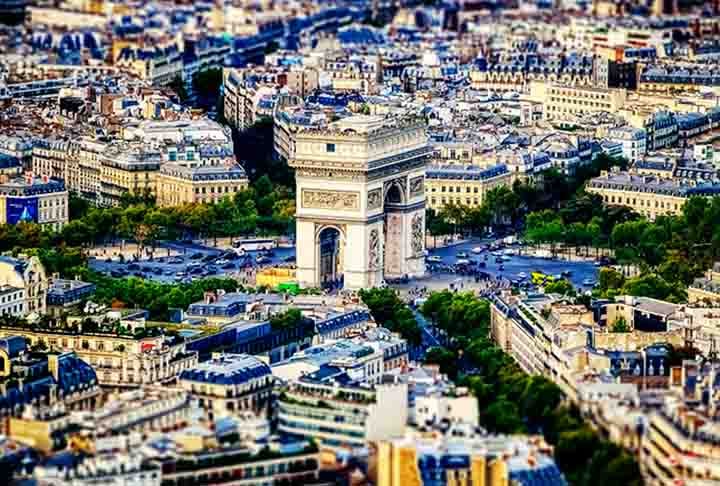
x=221 y=261
x=434 y=258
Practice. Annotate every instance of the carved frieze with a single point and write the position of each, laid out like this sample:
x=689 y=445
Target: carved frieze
x=324 y=173
x=374 y=250
x=417 y=186
x=374 y=199
x=340 y=200
x=417 y=235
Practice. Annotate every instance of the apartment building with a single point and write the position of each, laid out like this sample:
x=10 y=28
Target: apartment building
x=648 y=195
x=298 y=463
x=51 y=158
x=706 y=288
x=43 y=379
x=159 y=65
x=229 y=384
x=32 y=199
x=463 y=184
x=632 y=140
x=516 y=71
x=128 y=168
x=565 y=342
x=119 y=360
x=23 y=286
x=560 y=101
x=354 y=73
x=680 y=442
x=661 y=126
x=251 y=94
x=464 y=458
x=340 y=417
x=200 y=182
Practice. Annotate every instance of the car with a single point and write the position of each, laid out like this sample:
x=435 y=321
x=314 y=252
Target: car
x=461 y=254
x=588 y=282
x=263 y=259
x=221 y=261
x=196 y=256
x=289 y=259
x=209 y=257
x=117 y=273
x=228 y=266
x=463 y=261
x=176 y=260
x=158 y=271
x=139 y=275
x=477 y=250
x=133 y=266
x=211 y=269
x=434 y=259
x=146 y=268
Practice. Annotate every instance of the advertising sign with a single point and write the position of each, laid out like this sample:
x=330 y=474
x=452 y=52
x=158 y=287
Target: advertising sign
x=22 y=209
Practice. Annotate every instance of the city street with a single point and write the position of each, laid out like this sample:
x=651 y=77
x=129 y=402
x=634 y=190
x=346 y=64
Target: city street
x=178 y=261
x=194 y=260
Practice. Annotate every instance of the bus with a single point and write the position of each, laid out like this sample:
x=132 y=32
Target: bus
x=255 y=244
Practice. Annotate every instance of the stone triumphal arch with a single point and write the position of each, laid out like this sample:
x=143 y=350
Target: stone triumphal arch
x=360 y=200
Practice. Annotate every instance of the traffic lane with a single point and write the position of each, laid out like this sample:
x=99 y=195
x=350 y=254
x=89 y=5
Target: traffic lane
x=515 y=265
x=169 y=270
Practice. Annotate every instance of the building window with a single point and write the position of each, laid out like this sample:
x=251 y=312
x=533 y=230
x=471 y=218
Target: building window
x=330 y=147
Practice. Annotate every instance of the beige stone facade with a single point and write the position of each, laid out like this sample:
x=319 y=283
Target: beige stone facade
x=646 y=195
x=360 y=201
x=117 y=360
x=179 y=184
x=463 y=185
x=567 y=100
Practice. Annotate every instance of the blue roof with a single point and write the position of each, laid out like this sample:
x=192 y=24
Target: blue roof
x=13 y=345
x=229 y=369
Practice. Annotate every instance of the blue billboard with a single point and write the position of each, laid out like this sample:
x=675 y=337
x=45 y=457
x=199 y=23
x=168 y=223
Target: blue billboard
x=21 y=209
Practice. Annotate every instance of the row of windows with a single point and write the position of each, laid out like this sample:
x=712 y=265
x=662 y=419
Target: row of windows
x=459 y=200
x=642 y=202
x=322 y=429
x=12 y=310
x=457 y=189
x=593 y=96
x=11 y=297
x=581 y=102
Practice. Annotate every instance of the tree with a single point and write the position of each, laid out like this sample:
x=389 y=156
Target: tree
x=620 y=325
x=390 y=312
x=610 y=279
x=561 y=286
x=445 y=359
x=289 y=319
x=206 y=85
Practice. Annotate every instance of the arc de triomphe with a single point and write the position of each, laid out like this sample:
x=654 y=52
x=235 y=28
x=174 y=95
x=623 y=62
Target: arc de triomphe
x=360 y=200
